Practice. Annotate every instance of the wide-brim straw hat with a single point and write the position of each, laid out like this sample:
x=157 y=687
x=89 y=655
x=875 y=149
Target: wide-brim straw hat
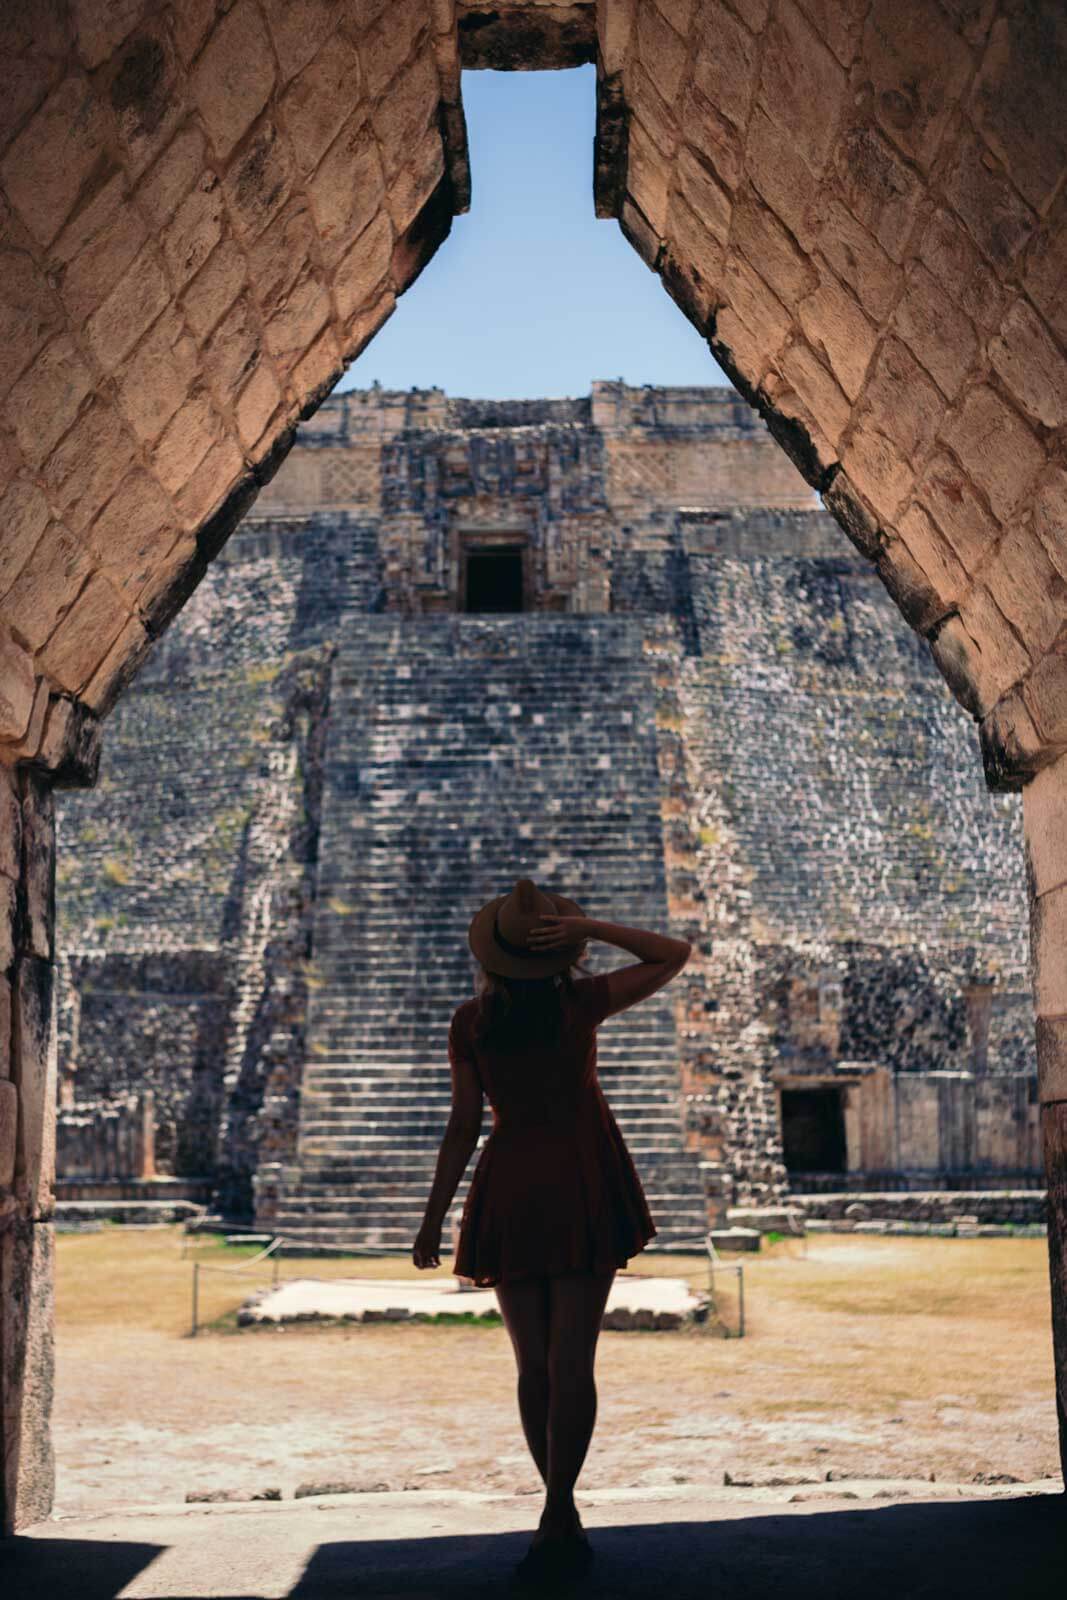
x=498 y=932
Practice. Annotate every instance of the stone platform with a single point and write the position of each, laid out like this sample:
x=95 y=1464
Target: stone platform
x=634 y=1302
x=848 y=1541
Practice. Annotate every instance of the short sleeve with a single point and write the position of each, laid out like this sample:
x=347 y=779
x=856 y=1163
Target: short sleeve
x=595 y=996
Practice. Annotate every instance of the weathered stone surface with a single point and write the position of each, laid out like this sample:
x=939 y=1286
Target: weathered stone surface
x=1052 y=1059
x=23 y=516
x=1045 y=813
x=27 y=1292
x=54 y=156
x=16 y=687
x=86 y=632
x=38 y=867
x=1048 y=933
x=35 y=1075
x=233 y=77
x=9 y=1116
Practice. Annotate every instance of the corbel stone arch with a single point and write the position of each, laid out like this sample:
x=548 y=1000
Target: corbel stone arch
x=208 y=209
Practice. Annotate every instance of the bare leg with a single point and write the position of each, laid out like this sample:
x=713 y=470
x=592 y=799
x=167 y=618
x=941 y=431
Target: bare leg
x=524 y=1307
x=576 y=1308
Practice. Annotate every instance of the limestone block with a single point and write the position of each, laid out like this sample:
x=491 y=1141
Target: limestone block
x=144 y=88
x=880 y=189
x=299 y=27
x=316 y=374
x=70 y=749
x=823 y=403
x=1018 y=101
x=1045 y=693
x=10 y=825
x=85 y=635
x=234 y=76
x=1003 y=659
x=185 y=442
x=947 y=494
x=1045 y=818
x=132 y=531
x=85 y=468
x=34 y=1072
x=389 y=42
x=360 y=275
x=660 y=50
x=614 y=22
x=417 y=180
x=348 y=188
x=647 y=177
x=918 y=66
x=260 y=180
x=5 y=1031
x=212 y=482
x=998 y=449
x=155 y=380
x=936 y=332
x=317 y=102
x=29 y=312
x=129 y=310
x=1027 y=589
x=1045 y=268
x=38 y=866
x=54 y=156
x=256 y=404
x=47 y=586
x=26 y=748
x=1011 y=746
x=958 y=659
x=45 y=401
x=1050 y=516
x=945 y=247
x=101 y=29
x=162 y=190
x=933 y=555
x=782 y=177
x=837 y=329
x=1031 y=365
x=877 y=469
x=802 y=85
x=401 y=117
x=215 y=288
x=191 y=22
x=857 y=258
x=297 y=323
x=118 y=668
x=195 y=230
x=989 y=207
x=24 y=516
x=16 y=687
x=1048 y=945
x=724 y=62
x=27 y=1379
x=1051 y=1059
x=8 y=914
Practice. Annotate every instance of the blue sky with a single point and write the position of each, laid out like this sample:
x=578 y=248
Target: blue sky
x=531 y=294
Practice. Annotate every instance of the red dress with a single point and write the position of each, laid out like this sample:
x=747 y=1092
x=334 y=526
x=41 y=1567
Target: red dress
x=554 y=1189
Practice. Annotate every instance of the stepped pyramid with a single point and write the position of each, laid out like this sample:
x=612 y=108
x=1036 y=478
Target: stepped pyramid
x=465 y=751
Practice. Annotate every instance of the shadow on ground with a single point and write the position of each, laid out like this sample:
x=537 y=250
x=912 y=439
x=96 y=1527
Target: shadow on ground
x=1011 y=1549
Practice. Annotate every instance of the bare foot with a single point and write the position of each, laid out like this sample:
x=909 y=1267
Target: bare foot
x=558 y=1523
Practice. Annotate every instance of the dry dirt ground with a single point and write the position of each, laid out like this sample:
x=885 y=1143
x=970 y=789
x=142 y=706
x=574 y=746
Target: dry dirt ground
x=864 y=1358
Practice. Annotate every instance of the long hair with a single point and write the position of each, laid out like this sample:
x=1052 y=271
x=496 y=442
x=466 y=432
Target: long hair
x=517 y=1013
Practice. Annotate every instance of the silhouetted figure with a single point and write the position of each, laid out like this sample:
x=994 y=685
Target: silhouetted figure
x=555 y=1205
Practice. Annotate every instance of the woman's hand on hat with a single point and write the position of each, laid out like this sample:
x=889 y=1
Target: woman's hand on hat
x=556 y=932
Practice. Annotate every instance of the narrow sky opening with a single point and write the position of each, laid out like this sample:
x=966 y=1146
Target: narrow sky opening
x=531 y=294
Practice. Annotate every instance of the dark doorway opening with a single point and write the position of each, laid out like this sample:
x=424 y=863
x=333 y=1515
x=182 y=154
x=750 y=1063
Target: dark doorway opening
x=813 y=1130
x=494 y=578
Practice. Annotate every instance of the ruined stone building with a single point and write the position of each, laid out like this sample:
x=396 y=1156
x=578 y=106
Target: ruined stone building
x=610 y=642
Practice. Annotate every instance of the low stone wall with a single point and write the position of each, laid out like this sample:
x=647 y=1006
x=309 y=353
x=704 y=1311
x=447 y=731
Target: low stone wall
x=1022 y=1207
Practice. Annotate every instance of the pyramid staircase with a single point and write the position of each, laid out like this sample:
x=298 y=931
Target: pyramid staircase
x=465 y=751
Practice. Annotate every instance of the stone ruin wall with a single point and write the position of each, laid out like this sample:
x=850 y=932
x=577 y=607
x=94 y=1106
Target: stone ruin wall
x=847 y=880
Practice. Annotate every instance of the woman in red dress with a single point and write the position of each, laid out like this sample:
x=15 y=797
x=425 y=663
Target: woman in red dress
x=555 y=1205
